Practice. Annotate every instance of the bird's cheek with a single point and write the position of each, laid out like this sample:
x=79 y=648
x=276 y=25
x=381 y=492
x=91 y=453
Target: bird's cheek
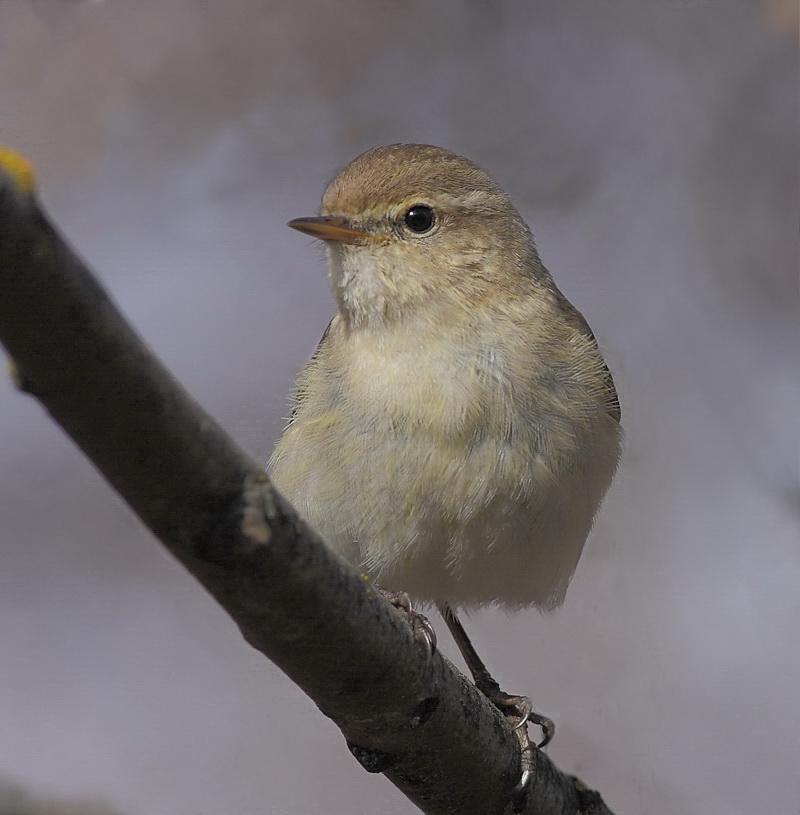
x=349 y=266
x=335 y=264
x=357 y=283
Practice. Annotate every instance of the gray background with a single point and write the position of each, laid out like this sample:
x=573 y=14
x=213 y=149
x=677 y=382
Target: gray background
x=651 y=147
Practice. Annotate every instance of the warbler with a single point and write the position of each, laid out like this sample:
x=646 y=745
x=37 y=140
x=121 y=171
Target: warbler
x=455 y=431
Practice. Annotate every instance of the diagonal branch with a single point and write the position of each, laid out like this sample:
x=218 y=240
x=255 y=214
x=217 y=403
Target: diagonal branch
x=414 y=718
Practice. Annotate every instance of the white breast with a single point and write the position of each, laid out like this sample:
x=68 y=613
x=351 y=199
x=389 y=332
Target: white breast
x=429 y=471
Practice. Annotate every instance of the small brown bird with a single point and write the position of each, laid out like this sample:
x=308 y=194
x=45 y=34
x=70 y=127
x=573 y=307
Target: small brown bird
x=457 y=428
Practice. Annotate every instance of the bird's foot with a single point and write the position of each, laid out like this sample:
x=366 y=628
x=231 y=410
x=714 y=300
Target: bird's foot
x=419 y=624
x=517 y=709
x=519 y=713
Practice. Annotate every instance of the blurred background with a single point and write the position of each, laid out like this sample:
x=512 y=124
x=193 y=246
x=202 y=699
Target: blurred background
x=651 y=144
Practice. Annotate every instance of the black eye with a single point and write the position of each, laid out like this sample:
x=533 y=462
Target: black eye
x=419 y=218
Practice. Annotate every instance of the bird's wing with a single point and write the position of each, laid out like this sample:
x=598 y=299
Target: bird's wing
x=300 y=394
x=612 y=399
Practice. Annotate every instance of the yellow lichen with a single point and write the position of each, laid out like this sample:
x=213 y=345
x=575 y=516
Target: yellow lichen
x=18 y=169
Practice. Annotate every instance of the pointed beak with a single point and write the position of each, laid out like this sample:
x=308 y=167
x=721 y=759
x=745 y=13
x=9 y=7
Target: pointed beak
x=329 y=228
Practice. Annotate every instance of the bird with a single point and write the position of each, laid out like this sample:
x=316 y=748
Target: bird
x=456 y=429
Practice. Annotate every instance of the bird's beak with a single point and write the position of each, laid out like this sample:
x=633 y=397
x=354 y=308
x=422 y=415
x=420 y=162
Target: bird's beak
x=329 y=228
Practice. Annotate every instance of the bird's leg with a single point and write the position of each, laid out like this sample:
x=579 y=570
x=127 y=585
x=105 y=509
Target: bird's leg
x=418 y=623
x=517 y=709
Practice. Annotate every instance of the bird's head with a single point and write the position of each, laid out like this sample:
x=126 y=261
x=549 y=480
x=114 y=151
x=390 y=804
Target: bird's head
x=416 y=228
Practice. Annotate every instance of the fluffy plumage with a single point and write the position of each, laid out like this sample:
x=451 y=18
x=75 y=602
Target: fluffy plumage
x=457 y=427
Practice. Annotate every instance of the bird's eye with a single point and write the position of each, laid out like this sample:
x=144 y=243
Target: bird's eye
x=419 y=218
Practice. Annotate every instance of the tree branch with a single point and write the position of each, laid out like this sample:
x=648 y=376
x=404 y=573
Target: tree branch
x=415 y=719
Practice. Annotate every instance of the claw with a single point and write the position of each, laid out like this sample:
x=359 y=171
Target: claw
x=425 y=632
x=547 y=726
x=523 y=782
x=420 y=626
x=519 y=795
